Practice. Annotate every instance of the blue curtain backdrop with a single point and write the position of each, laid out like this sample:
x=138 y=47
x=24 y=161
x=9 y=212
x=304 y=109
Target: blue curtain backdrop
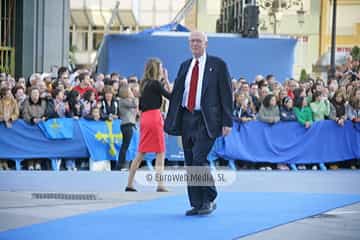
x=127 y=54
x=287 y=142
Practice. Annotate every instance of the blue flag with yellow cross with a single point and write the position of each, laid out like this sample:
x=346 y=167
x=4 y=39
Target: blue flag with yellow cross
x=102 y=138
x=58 y=128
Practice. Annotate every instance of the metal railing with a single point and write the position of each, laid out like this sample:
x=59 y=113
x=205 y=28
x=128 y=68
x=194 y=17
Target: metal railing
x=7 y=60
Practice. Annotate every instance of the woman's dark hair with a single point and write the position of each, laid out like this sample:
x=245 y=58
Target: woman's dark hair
x=316 y=95
x=297 y=92
x=298 y=102
x=108 y=81
x=82 y=76
x=317 y=83
x=61 y=70
x=267 y=99
x=87 y=95
x=341 y=94
x=262 y=83
x=55 y=92
x=16 y=88
x=72 y=98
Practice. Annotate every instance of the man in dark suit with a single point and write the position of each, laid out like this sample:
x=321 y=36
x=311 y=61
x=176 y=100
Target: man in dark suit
x=200 y=110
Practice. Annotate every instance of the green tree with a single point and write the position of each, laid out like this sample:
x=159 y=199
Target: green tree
x=355 y=53
x=303 y=75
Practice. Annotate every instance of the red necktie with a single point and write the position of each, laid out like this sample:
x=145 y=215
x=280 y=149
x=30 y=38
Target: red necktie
x=193 y=87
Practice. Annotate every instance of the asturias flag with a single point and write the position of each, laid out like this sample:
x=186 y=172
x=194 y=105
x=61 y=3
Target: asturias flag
x=103 y=138
x=58 y=128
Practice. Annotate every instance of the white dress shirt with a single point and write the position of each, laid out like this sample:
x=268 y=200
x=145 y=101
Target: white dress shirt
x=202 y=61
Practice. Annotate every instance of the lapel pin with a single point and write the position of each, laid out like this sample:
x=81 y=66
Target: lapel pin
x=210 y=69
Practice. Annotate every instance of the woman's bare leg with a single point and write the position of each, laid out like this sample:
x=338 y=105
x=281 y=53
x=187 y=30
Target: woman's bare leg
x=134 y=166
x=159 y=167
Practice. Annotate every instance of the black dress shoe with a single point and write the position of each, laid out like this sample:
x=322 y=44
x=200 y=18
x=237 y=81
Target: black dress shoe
x=207 y=209
x=162 y=190
x=129 y=189
x=192 y=212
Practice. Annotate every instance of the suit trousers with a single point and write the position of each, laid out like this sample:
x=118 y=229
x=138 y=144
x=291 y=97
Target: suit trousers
x=197 y=145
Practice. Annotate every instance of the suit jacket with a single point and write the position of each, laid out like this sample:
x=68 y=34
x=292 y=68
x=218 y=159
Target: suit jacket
x=216 y=98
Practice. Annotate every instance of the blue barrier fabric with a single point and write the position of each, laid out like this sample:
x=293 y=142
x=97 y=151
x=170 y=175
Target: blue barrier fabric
x=287 y=142
x=290 y=142
x=28 y=141
x=128 y=54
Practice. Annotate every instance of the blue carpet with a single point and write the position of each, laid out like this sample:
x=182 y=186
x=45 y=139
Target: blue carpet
x=238 y=214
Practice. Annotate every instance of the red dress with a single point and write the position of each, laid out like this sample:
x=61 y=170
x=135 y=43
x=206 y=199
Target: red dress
x=151 y=120
x=151 y=132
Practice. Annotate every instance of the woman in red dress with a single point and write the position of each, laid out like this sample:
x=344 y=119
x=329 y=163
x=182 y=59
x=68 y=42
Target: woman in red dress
x=153 y=87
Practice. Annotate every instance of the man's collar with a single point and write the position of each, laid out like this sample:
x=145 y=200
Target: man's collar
x=201 y=58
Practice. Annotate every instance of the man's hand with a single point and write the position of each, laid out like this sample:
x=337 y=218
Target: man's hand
x=226 y=131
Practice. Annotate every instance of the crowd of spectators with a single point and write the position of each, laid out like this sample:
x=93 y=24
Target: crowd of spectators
x=82 y=94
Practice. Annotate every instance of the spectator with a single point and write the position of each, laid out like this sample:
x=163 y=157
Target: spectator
x=46 y=78
x=303 y=112
x=94 y=114
x=44 y=93
x=99 y=87
x=254 y=94
x=133 y=79
x=21 y=82
x=245 y=89
x=320 y=106
x=75 y=111
x=20 y=97
x=99 y=77
x=353 y=108
x=9 y=110
x=299 y=92
x=234 y=85
x=281 y=95
x=263 y=92
x=84 y=84
x=115 y=77
x=67 y=82
x=242 y=111
x=333 y=86
x=34 y=107
x=123 y=81
x=127 y=110
x=75 y=106
x=258 y=78
x=270 y=79
x=34 y=112
x=115 y=86
x=62 y=73
x=269 y=110
x=56 y=107
x=293 y=84
x=135 y=88
x=338 y=107
x=34 y=79
x=88 y=101
x=286 y=110
x=109 y=105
